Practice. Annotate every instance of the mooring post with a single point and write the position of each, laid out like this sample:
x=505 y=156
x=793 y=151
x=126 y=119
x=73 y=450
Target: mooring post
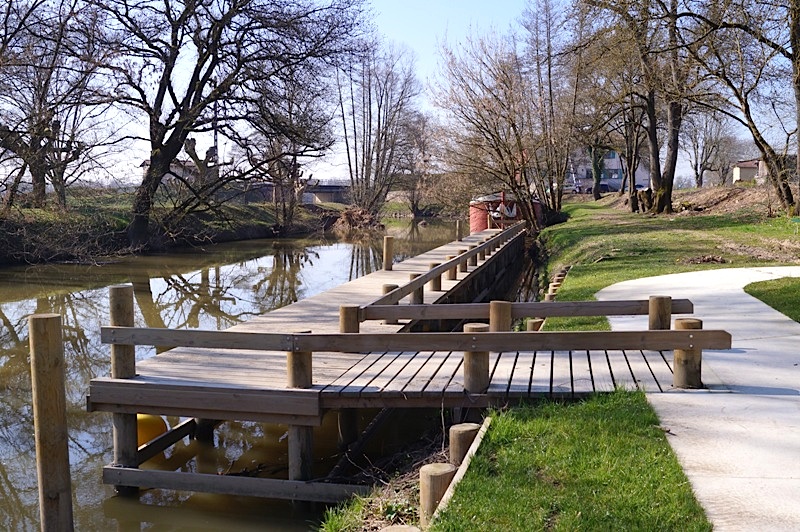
x=301 y=443
x=461 y=438
x=473 y=259
x=499 y=316
x=452 y=273
x=418 y=295
x=123 y=366
x=434 y=479
x=659 y=313
x=476 y=363
x=50 y=421
x=388 y=252
x=535 y=324
x=687 y=363
x=348 y=319
x=435 y=284
x=386 y=289
x=462 y=266
x=458 y=230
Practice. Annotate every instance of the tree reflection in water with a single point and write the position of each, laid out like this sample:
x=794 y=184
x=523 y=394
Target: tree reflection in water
x=210 y=289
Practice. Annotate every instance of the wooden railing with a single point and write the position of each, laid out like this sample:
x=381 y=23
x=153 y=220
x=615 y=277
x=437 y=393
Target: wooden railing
x=468 y=256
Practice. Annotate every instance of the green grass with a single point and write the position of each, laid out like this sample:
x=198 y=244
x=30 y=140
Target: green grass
x=781 y=294
x=607 y=246
x=600 y=464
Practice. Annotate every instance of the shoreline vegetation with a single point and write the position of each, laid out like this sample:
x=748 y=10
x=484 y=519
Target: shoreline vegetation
x=574 y=466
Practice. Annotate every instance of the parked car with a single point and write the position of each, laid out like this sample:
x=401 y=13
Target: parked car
x=603 y=188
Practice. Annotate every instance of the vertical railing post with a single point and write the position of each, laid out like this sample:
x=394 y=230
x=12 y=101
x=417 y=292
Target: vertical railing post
x=388 y=252
x=687 y=363
x=452 y=273
x=123 y=366
x=50 y=421
x=659 y=313
x=386 y=289
x=476 y=363
x=435 y=284
x=418 y=295
x=499 y=316
x=348 y=319
x=301 y=443
x=462 y=266
x=473 y=259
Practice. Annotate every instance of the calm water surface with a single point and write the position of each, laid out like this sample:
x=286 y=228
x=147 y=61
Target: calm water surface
x=209 y=288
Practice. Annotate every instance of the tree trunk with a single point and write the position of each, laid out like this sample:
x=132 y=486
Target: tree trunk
x=139 y=228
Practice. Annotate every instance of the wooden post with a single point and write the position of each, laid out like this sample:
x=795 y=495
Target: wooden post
x=386 y=289
x=452 y=273
x=434 y=479
x=489 y=221
x=348 y=319
x=535 y=324
x=461 y=437
x=301 y=444
x=660 y=313
x=123 y=366
x=462 y=266
x=435 y=284
x=473 y=260
x=499 y=316
x=687 y=363
x=50 y=421
x=476 y=363
x=549 y=296
x=388 y=252
x=458 y=230
x=418 y=295
x=482 y=252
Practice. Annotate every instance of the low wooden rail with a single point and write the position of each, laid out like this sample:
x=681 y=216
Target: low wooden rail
x=367 y=342
x=481 y=311
x=460 y=261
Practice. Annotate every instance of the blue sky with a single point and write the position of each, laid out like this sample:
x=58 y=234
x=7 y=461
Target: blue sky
x=422 y=24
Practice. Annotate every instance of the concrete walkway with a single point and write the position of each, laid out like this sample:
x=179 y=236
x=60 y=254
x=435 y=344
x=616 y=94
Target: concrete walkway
x=738 y=441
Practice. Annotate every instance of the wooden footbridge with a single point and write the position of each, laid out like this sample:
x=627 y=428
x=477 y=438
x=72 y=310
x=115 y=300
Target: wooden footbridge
x=349 y=348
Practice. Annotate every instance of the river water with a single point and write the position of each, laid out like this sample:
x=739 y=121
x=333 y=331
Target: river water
x=212 y=287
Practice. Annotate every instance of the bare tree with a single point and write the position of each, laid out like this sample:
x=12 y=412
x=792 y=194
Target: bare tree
x=377 y=93
x=175 y=60
x=49 y=100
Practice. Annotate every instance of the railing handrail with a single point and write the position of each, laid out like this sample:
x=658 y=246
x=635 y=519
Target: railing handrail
x=547 y=309
x=658 y=340
x=402 y=291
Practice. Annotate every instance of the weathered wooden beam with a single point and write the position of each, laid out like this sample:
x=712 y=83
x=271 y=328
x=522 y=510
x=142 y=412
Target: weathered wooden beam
x=166 y=440
x=233 y=485
x=492 y=341
x=521 y=310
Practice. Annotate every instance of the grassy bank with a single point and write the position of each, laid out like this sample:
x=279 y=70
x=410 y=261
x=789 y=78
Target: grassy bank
x=604 y=464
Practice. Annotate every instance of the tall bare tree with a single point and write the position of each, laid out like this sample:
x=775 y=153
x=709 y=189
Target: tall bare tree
x=176 y=59
x=377 y=96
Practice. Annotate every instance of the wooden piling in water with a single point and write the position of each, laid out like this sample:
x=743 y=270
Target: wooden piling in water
x=388 y=252
x=50 y=422
x=123 y=366
x=434 y=480
x=659 y=313
x=476 y=363
x=687 y=363
x=301 y=449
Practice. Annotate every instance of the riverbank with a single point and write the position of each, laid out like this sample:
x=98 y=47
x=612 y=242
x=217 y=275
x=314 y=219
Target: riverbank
x=95 y=227
x=605 y=245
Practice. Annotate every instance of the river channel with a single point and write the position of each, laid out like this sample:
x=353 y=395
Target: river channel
x=213 y=287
